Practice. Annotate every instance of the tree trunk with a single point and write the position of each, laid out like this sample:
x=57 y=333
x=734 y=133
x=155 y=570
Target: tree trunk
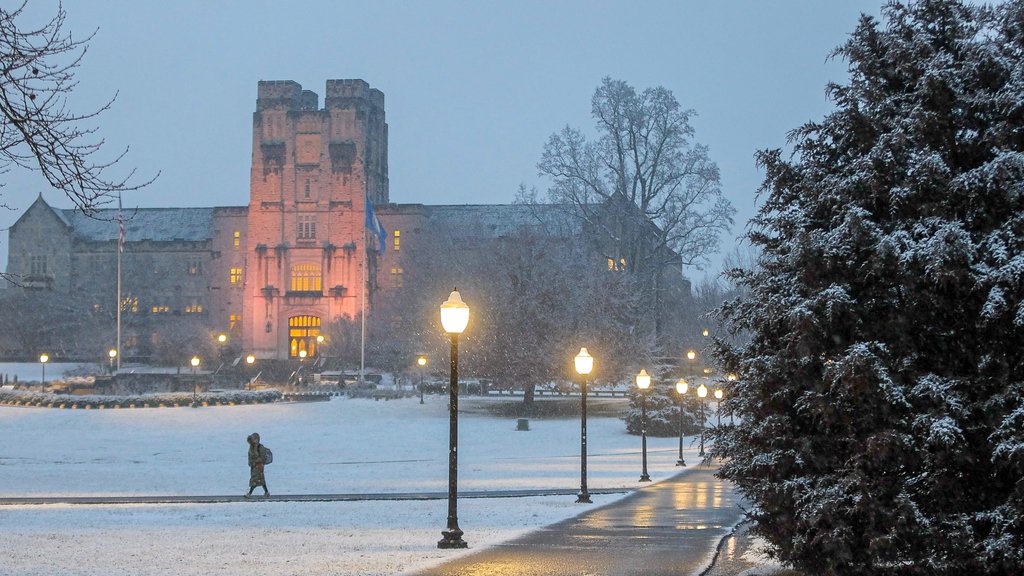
x=528 y=395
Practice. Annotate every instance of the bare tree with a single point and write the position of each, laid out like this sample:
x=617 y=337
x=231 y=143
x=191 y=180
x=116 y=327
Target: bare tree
x=38 y=130
x=651 y=196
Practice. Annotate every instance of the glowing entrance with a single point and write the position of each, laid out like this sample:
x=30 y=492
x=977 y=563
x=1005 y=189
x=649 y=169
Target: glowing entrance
x=302 y=331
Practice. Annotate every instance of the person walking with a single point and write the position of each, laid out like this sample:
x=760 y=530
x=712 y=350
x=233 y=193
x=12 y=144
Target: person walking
x=257 y=460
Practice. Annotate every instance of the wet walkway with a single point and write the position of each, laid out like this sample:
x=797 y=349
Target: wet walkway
x=670 y=528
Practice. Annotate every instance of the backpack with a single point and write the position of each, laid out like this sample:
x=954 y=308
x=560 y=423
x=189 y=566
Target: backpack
x=270 y=455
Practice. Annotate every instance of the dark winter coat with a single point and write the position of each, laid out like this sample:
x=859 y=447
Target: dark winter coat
x=257 y=459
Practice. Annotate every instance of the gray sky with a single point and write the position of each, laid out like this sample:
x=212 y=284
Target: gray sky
x=473 y=89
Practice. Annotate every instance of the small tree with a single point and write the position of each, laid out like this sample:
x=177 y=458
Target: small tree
x=881 y=395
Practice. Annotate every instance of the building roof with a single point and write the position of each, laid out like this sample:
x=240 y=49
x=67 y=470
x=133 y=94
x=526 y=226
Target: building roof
x=156 y=224
x=497 y=220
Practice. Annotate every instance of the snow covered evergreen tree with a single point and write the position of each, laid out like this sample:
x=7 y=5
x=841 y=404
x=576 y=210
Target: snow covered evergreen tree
x=882 y=391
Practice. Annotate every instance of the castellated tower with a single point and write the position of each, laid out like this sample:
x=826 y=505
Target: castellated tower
x=311 y=169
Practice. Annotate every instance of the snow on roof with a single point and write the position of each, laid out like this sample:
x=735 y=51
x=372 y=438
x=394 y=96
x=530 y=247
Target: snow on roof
x=497 y=220
x=156 y=224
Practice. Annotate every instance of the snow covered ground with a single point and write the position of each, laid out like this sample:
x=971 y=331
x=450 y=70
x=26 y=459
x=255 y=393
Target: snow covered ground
x=345 y=445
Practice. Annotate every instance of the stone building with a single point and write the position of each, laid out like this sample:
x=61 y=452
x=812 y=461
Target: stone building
x=271 y=274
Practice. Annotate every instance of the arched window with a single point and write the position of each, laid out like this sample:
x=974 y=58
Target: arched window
x=303 y=330
x=306 y=278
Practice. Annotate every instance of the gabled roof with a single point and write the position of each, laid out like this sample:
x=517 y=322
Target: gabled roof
x=156 y=224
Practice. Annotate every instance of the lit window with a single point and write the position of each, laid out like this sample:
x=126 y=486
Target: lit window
x=396 y=277
x=306 y=278
x=131 y=304
x=236 y=276
x=307 y=227
x=161 y=309
x=232 y=320
x=195 y=266
x=193 y=309
x=611 y=264
x=238 y=239
x=398 y=240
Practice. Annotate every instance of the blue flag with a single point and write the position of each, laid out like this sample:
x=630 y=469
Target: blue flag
x=374 y=225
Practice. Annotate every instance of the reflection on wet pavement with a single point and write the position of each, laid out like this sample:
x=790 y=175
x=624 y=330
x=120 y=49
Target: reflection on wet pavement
x=668 y=528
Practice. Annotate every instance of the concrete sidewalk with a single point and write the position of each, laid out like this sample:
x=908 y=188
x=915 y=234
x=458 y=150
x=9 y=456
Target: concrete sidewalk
x=256 y=497
x=666 y=529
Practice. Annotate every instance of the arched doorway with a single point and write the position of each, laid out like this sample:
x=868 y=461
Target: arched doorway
x=302 y=333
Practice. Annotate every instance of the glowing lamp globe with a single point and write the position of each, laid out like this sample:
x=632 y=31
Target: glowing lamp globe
x=44 y=358
x=302 y=353
x=422 y=361
x=250 y=359
x=719 y=393
x=194 y=362
x=682 y=386
x=702 y=391
x=112 y=353
x=320 y=338
x=222 y=338
x=705 y=332
x=643 y=380
x=584 y=362
x=454 y=314
x=731 y=377
x=691 y=355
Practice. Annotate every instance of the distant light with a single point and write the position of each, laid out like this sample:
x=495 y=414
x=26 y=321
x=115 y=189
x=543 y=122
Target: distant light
x=731 y=377
x=250 y=359
x=719 y=393
x=707 y=370
x=702 y=391
x=691 y=355
x=643 y=380
x=302 y=353
x=584 y=362
x=194 y=361
x=44 y=358
x=320 y=338
x=222 y=338
x=454 y=314
x=112 y=353
x=705 y=332
x=422 y=361
x=682 y=386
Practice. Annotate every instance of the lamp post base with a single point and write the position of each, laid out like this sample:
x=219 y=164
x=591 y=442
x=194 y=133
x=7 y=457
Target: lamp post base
x=645 y=478
x=681 y=462
x=584 y=498
x=452 y=539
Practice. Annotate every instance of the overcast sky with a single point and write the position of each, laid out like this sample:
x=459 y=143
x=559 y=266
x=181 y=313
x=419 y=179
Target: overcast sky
x=473 y=89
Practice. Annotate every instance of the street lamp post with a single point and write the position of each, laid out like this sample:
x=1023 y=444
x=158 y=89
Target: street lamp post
x=422 y=362
x=702 y=391
x=718 y=405
x=112 y=354
x=195 y=363
x=681 y=387
x=584 y=365
x=643 y=382
x=454 y=318
x=731 y=378
x=43 y=359
x=250 y=360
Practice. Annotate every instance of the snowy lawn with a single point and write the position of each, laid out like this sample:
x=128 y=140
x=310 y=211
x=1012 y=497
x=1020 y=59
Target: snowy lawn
x=271 y=538
x=344 y=445
x=341 y=446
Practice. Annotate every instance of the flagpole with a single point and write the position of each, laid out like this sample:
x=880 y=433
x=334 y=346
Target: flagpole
x=362 y=345
x=120 y=247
